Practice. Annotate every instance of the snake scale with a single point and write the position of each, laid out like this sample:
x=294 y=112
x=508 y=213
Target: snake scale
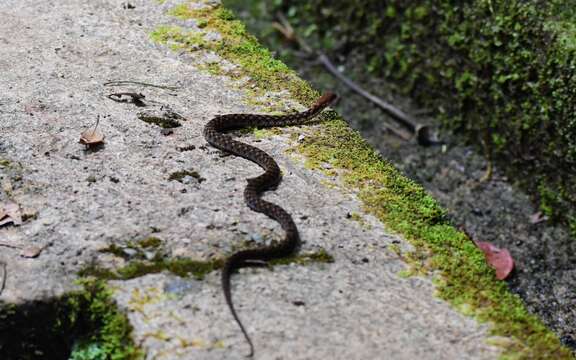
x=214 y=135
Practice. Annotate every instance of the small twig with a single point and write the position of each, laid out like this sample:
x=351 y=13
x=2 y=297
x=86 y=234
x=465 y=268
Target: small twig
x=3 y=276
x=10 y=246
x=134 y=98
x=486 y=142
x=390 y=109
x=126 y=82
x=96 y=126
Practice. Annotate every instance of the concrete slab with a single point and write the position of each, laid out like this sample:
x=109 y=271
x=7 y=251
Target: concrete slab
x=56 y=58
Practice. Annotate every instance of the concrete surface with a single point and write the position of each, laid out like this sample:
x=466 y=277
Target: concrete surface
x=55 y=58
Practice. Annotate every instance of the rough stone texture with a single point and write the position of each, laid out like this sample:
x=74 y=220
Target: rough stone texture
x=56 y=57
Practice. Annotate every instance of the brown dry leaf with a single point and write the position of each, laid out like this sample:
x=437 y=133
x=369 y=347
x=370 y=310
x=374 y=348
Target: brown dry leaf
x=92 y=137
x=10 y=213
x=31 y=251
x=499 y=259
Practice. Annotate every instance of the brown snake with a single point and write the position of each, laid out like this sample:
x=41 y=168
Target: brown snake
x=213 y=133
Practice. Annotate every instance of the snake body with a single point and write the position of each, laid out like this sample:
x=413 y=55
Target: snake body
x=214 y=134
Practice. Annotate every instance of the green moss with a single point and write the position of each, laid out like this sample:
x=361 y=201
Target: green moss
x=112 y=329
x=138 y=268
x=265 y=133
x=187 y=267
x=115 y=250
x=163 y=122
x=359 y=219
x=150 y=242
x=467 y=281
x=320 y=256
x=86 y=321
x=504 y=69
x=213 y=68
x=180 y=175
x=237 y=46
x=572 y=226
x=4 y=162
x=136 y=249
x=464 y=279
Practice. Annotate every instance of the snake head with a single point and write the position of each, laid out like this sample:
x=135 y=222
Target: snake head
x=325 y=100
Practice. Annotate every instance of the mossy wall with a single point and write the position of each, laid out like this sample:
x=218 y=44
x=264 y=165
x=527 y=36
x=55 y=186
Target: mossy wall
x=502 y=72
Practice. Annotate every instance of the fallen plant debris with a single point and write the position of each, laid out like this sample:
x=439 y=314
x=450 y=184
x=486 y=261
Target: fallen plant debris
x=499 y=259
x=10 y=213
x=128 y=97
x=2 y=276
x=92 y=138
x=30 y=252
x=130 y=82
x=167 y=120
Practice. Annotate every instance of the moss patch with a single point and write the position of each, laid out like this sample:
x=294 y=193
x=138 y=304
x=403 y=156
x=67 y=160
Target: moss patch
x=464 y=279
x=186 y=267
x=236 y=46
x=4 y=162
x=137 y=268
x=321 y=256
x=498 y=70
x=163 y=122
x=84 y=324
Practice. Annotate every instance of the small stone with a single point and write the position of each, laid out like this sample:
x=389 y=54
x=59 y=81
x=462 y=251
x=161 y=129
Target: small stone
x=257 y=238
x=130 y=252
x=212 y=36
x=149 y=255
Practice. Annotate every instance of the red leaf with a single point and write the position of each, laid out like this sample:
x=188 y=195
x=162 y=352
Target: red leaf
x=499 y=259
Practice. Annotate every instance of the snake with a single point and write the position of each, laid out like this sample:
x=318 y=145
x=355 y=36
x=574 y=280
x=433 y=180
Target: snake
x=214 y=133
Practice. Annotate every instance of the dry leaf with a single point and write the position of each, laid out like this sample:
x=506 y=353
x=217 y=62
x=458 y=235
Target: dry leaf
x=499 y=259
x=10 y=213
x=31 y=251
x=92 y=137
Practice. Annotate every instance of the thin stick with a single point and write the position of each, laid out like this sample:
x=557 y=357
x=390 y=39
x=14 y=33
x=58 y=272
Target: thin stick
x=97 y=122
x=125 y=82
x=3 y=276
x=393 y=111
x=10 y=246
